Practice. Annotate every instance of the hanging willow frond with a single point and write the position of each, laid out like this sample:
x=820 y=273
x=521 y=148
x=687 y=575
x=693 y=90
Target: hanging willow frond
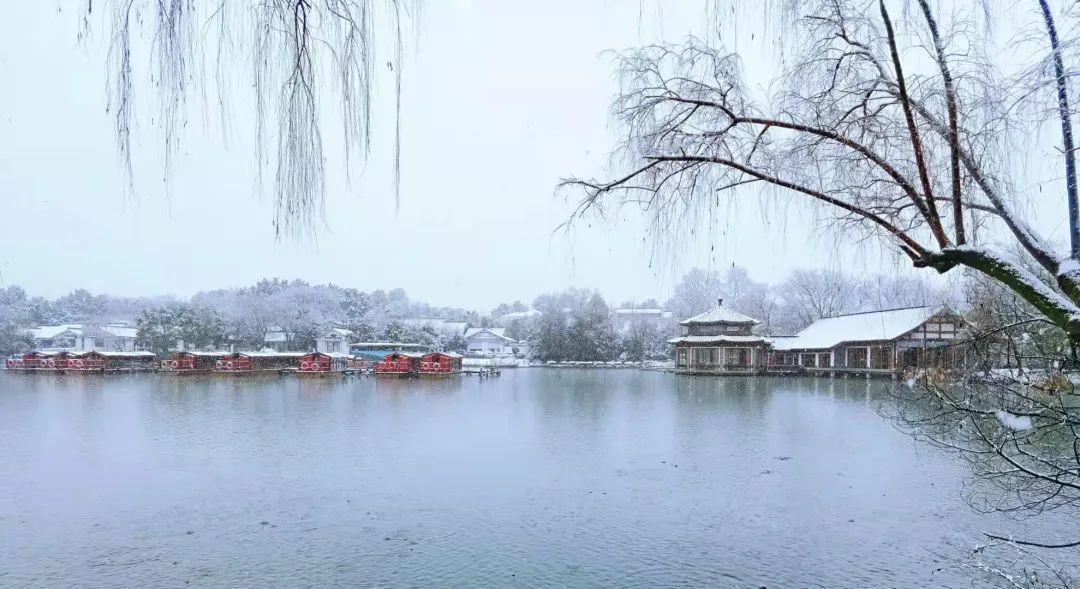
x=309 y=58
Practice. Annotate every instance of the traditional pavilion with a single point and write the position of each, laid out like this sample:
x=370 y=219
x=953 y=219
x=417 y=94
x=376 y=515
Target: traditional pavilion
x=720 y=341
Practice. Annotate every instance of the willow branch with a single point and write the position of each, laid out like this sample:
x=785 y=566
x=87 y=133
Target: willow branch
x=954 y=135
x=1066 y=130
x=905 y=184
x=912 y=247
x=913 y=131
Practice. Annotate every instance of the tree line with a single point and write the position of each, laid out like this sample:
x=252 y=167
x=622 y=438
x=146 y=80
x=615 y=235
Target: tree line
x=573 y=324
x=579 y=325
x=235 y=316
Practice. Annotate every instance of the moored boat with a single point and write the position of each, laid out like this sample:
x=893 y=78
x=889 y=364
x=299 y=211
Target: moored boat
x=191 y=362
x=399 y=364
x=440 y=365
x=254 y=363
x=321 y=364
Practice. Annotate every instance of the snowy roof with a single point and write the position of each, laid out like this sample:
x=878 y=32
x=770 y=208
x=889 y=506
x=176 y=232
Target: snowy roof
x=272 y=354
x=140 y=354
x=718 y=339
x=499 y=332
x=719 y=314
x=51 y=331
x=123 y=331
x=448 y=354
x=114 y=330
x=857 y=327
x=338 y=332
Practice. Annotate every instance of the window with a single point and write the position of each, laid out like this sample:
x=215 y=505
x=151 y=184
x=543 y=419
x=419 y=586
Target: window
x=738 y=357
x=856 y=357
x=706 y=356
x=881 y=358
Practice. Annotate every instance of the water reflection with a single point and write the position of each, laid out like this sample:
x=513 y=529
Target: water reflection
x=540 y=477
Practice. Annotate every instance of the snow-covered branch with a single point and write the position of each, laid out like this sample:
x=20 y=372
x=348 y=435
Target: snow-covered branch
x=854 y=124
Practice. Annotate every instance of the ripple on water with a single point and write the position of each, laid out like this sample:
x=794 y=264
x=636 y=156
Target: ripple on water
x=540 y=478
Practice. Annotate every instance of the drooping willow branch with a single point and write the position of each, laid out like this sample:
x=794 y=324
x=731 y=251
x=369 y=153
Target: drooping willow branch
x=303 y=54
x=850 y=126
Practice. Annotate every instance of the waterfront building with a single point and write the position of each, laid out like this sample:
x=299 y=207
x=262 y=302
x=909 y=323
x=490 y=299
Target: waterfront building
x=334 y=341
x=874 y=342
x=720 y=341
x=108 y=337
x=489 y=341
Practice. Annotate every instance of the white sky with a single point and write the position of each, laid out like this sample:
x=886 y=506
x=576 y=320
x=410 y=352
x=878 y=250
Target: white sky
x=501 y=99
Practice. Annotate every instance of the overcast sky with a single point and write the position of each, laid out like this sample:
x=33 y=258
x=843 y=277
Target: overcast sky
x=501 y=99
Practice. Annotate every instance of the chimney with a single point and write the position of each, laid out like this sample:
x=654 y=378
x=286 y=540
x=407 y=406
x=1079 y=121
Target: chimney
x=719 y=302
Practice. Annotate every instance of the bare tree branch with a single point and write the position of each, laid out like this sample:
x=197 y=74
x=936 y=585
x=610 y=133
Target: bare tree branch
x=954 y=135
x=1066 y=130
x=913 y=130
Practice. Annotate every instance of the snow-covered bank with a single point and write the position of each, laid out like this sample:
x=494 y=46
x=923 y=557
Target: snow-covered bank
x=518 y=363
x=494 y=363
x=648 y=365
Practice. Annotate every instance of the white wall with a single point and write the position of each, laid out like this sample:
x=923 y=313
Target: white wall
x=489 y=344
x=331 y=345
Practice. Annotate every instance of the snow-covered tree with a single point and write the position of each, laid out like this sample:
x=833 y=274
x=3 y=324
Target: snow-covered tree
x=810 y=295
x=644 y=340
x=591 y=336
x=915 y=124
x=696 y=292
x=164 y=329
x=923 y=154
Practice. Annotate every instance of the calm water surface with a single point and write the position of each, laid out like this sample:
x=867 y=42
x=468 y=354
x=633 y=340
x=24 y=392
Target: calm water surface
x=540 y=478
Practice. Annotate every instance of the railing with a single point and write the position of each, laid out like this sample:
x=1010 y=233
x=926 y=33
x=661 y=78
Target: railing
x=720 y=367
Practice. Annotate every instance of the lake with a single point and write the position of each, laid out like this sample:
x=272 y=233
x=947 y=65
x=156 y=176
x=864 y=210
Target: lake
x=539 y=478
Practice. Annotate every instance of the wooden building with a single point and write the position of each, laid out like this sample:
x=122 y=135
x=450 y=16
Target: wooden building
x=322 y=363
x=41 y=360
x=440 y=364
x=720 y=341
x=99 y=361
x=61 y=360
x=876 y=342
x=257 y=362
x=191 y=362
x=399 y=364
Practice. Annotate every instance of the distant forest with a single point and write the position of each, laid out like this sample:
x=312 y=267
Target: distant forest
x=574 y=324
